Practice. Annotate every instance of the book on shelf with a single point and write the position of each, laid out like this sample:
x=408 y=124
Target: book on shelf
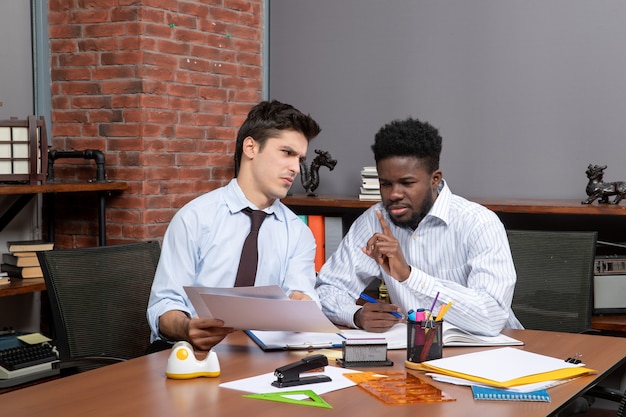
x=29 y=246
x=369 y=172
x=24 y=254
x=333 y=233
x=369 y=197
x=11 y=259
x=316 y=224
x=23 y=272
x=370 y=194
x=370 y=184
x=374 y=191
x=328 y=229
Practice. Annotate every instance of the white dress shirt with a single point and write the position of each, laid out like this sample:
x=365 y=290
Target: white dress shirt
x=202 y=247
x=459 y=250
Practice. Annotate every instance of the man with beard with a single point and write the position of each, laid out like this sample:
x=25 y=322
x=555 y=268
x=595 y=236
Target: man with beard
x=424 y=242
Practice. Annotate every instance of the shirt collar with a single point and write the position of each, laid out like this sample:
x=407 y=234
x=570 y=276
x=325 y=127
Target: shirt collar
x=237 y=201
x=441 y=207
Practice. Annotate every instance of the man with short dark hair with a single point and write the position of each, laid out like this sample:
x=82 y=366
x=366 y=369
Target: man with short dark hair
x=203 y=243
x=424 y=242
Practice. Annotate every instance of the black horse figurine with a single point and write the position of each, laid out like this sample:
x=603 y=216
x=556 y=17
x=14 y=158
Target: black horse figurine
x=310 y=176
x=598 y=189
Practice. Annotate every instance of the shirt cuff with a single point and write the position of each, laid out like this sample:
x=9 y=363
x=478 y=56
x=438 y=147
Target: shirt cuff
x=420 y=282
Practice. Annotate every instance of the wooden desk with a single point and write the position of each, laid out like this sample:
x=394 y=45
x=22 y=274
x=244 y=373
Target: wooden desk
x=27 y=191
x=139 y=387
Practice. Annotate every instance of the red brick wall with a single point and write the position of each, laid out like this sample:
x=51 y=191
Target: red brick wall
x=160 y=86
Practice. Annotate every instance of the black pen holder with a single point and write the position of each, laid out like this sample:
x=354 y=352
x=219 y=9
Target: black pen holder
x=424 y=341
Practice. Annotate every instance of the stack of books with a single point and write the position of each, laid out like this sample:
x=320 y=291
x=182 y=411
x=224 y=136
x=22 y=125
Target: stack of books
x=370 y=187
x=21 y=260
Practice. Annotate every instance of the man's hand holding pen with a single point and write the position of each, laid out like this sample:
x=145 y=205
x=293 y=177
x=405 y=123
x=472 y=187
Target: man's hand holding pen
x=385 y=249
x=377 y=317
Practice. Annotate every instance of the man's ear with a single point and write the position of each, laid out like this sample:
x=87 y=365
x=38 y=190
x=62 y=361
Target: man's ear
x=436 y=178
x=249 y=147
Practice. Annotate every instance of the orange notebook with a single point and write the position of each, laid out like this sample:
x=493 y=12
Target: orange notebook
x=316 y=223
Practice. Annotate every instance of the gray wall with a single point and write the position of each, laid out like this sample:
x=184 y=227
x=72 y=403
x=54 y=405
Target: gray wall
x=525 y=93
x=16 y=76
x=20 y=312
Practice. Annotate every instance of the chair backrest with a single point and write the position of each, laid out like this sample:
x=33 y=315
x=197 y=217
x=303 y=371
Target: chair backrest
x=554 y=279
x=98 y=297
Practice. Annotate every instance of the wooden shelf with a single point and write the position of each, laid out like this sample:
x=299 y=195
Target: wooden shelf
x=549 y=206
x=334 y=201
x=22 y=286
x=62 y=187
x=499 y=205
x=27 y=192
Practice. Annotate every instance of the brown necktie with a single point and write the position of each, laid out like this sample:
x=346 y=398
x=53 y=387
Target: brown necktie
x=246 y=274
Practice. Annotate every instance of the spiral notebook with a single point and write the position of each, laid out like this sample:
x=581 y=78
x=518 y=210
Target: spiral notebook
x=497 y=394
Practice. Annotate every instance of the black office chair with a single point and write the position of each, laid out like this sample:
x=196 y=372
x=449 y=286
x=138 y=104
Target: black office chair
x=622 y=406
x=554 y=279
x=554 y=289
x=98 y=297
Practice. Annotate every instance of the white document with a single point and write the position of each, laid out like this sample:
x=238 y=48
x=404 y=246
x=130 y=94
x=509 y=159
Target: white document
x=277 y=340
x=259 y=308
x=263 y=383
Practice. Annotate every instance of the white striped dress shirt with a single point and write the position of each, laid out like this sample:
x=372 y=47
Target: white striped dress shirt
x=459 y=250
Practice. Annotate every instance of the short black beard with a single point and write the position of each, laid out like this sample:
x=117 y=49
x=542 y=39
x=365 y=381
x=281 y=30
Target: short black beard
x=415 y=220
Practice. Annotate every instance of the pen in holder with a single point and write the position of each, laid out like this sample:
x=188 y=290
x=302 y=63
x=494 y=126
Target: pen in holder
x=424 y=341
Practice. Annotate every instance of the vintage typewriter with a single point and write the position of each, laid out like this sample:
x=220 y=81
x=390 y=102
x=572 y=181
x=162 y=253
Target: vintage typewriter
x=21 y=362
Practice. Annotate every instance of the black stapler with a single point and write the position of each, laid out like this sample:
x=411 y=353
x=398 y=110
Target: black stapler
x=289 y=375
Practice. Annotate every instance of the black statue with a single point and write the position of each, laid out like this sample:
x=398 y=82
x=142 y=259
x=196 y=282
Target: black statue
x=598 y=189
x=309 y=176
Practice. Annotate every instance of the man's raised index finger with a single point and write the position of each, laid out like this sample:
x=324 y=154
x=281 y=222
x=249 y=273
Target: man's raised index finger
x=383 y=224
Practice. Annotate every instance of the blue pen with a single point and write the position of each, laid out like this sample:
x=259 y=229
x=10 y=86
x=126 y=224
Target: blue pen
x=374 y=301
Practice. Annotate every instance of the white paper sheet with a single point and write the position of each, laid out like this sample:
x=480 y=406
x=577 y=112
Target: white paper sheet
x=259 y=308
x=262 y=384
x=501 y=364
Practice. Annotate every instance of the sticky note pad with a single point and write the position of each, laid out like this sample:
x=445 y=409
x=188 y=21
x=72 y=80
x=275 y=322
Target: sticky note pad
x=33 y=338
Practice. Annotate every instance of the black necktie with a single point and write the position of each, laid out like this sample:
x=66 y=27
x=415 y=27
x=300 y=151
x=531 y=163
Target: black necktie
x=246 y=274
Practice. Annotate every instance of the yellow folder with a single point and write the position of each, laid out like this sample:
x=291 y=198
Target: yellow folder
x=505 y=367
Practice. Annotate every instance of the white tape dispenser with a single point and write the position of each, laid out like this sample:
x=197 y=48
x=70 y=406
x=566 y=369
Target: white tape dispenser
x=182 y=363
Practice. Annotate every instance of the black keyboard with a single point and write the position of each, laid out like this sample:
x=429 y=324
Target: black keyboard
x=26 y=363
